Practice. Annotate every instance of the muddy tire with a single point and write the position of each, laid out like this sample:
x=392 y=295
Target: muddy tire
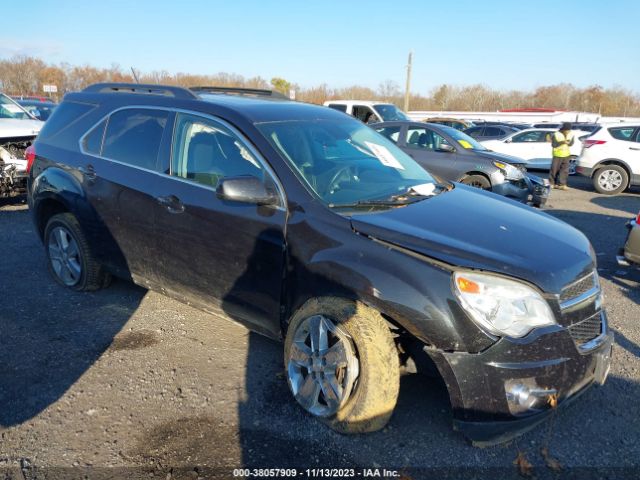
x=70 y=260
x=368 y=381
x=477 y=181
x=610 y=180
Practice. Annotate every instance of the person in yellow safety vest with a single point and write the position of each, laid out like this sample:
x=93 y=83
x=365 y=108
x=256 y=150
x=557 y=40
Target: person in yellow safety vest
x=560 y=143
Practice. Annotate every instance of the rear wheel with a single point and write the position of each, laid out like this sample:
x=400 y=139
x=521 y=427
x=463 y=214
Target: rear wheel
x=477 y=181
x=70 y=259
x=342 y=364
x=610 y=179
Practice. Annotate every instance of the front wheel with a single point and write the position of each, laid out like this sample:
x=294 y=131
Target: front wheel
x=610 y=179
x=477 y=181
x=342 y=364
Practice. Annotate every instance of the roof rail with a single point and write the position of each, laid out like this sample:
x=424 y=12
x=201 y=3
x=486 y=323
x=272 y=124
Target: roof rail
x=240 y=91
x=148 y=89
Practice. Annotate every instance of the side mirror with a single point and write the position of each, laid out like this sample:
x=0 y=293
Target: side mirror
x=445 y=147
x=508 y=140
x=245 y=189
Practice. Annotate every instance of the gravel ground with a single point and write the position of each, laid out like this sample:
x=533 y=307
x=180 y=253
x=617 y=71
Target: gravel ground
x=125 y=382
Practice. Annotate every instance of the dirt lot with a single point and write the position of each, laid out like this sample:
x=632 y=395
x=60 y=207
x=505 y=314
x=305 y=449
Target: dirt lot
x=125 y=382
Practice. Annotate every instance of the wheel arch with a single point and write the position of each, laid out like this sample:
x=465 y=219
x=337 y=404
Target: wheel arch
x=612 y=161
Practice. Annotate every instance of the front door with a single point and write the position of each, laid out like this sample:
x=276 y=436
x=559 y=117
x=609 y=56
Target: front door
x=216 y=253
x=431 y=151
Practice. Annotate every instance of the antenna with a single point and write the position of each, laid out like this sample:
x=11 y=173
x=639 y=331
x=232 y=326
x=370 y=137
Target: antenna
x=135 y=77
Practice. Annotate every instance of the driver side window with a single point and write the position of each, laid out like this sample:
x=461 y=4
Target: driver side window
x=425 y=139
x=205 y=151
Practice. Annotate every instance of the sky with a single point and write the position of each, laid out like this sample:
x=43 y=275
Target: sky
x=501 y=44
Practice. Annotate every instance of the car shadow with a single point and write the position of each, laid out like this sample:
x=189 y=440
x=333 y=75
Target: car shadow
x=625 y=203
x=46 y=345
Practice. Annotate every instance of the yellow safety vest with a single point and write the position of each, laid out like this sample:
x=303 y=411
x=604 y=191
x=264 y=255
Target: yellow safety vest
x=562 y=150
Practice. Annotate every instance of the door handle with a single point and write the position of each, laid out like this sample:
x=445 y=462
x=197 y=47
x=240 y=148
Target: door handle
x=634 y=148
x=171 y=203
x=88 y=172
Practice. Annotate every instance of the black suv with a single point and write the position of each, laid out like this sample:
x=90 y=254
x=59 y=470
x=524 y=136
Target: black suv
x=308 y=226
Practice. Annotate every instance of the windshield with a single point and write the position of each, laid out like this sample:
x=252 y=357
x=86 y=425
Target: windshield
x=390 y=113
x=10 y=109
x=344 y=162
x=464 y=140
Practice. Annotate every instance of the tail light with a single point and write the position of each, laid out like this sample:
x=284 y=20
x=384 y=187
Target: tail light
x=590 y=143
x=30 y=156
x=638 y=219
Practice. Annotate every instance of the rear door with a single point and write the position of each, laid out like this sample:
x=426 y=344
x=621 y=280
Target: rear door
x=119 y=174
x=427 y=147
x=215 y=253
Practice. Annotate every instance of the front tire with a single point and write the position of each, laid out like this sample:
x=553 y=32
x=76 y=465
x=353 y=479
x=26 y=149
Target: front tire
x=610 y=180
x=342 y=364
x=70 y=260
x=477 y=181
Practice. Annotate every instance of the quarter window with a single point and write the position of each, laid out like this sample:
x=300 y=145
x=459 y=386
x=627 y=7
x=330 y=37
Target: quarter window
x=92 y=142
x=622 y=133
x=205 y=151
x=133 y=137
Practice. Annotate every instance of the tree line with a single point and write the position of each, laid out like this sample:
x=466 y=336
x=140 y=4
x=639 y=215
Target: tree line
x=25 y=75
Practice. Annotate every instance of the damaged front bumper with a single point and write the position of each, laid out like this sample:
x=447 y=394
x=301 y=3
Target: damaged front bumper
x=530 y=189
x=515 y=384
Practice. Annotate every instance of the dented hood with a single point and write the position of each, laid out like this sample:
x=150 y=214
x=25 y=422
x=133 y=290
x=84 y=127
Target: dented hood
x=466 y=227
x=13 y=127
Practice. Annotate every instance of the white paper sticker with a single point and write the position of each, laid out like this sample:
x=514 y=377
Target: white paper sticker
x=384 y=155
x=10 y=107
x=426 y=189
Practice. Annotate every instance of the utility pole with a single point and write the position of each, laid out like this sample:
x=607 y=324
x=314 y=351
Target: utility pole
x=408 y=86
x=135 y=77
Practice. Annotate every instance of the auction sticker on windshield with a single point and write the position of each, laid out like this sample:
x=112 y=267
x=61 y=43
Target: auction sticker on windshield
x=384 y=155
x=465 y=144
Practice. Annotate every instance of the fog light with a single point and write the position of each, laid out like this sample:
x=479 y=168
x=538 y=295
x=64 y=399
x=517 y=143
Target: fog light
x=525 y=396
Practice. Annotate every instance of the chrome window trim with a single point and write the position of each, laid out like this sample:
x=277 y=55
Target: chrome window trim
x=245 y=142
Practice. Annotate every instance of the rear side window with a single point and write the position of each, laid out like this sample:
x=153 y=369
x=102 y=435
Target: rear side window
x=392 y=133
x=622 y=133
x=492 y=132
x=64 y=115
x=133 y=137
x=341 y=108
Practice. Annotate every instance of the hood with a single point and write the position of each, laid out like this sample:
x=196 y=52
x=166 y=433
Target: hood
x=13 y=127
x=467 y=227
x=501 y=157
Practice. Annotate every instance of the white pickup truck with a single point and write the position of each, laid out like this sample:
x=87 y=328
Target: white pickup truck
x=18 y=129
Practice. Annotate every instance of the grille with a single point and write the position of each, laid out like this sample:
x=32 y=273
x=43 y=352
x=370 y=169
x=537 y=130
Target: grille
x=586 y=330
x=578 y=288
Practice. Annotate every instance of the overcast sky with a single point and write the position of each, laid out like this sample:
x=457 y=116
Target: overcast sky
x=503 y=44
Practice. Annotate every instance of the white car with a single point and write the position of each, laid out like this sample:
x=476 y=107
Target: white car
x=611 y=157
x=533 y=145
x=368 y=111
x=18 y=130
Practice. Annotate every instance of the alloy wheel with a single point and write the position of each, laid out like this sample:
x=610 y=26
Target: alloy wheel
x=322 y=366
x=64 y=256
x=610 y=180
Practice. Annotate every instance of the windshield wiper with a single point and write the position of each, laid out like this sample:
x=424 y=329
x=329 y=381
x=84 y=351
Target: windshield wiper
x=397 y=200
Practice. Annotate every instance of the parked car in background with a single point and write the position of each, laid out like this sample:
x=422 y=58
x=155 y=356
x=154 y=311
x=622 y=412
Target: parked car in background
x=41 y=110
x=516 y=125
x=368 y=111
x=18 y=130
x=489 y=132
x=456 y=123
x=310 y=227
x=534 y=146
x=611 y=158
x=630 y=253
x=454 y=156
x=582 y=127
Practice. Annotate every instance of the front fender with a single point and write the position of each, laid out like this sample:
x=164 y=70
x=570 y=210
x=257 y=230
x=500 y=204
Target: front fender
x=406 y=287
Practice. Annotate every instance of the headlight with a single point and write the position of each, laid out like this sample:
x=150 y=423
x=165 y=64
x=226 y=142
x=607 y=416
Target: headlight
x=502 y=307
x=509 y=171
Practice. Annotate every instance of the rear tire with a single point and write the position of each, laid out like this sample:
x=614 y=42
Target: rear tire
x=70 y=260
x=610 y=180
x=477 y=181
x=370 y=364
